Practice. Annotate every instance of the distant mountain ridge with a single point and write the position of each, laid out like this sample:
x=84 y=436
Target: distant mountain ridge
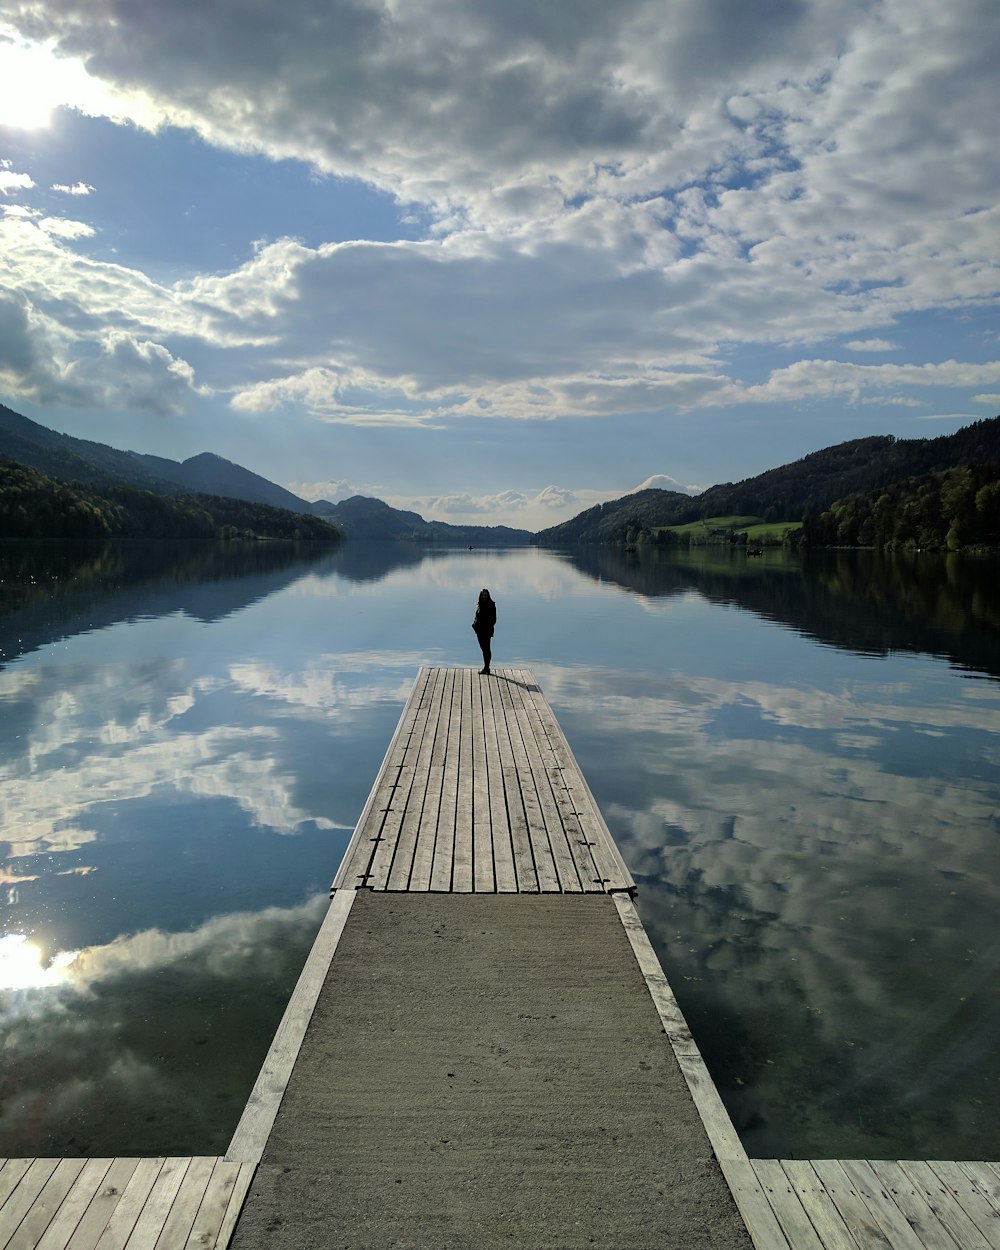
x=791 y=491
x=65 y=458
x=209 y=474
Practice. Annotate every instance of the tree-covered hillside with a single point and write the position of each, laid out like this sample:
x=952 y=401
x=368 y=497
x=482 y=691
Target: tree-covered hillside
x=33 y=505
x=791 y=492
x=950 y=509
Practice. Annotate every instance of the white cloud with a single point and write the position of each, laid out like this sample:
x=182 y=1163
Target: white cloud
x=872 y=345
x=618 y=193
x=76 y=188
x=522 y=509
x=64 y=228
x=334 y=491
x=10 y=182
x=992 y=400
x=134 y=373
x=834 y=377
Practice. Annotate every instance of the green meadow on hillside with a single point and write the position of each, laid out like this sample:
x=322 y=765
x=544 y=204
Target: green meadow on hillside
x=718 y=529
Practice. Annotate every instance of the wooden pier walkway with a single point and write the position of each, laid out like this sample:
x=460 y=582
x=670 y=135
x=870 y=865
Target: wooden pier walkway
x=479 y=792
x=120 y=1204
x=483 y=1050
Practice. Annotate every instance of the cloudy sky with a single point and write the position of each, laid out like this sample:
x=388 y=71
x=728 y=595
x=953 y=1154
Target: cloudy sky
x=499 y=261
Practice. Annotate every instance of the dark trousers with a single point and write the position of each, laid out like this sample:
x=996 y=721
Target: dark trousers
x=484 y=646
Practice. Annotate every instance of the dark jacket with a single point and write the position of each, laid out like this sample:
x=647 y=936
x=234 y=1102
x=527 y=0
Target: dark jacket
x=486 y=618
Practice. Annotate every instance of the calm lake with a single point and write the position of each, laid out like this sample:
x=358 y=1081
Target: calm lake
x=798 y=757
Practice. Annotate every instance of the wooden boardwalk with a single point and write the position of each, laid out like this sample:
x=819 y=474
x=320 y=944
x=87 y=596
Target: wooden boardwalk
x=120 y=1204
x=857 y=1204
x=479 y=794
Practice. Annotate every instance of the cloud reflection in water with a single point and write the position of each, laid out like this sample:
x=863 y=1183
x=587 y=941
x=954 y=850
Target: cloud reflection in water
x=825 y=912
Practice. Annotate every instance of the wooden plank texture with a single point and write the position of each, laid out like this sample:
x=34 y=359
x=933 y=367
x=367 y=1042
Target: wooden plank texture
x=121 y=1204
x=479 y=791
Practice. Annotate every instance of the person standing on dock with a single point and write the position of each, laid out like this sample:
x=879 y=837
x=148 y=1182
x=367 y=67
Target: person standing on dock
x=486 y=619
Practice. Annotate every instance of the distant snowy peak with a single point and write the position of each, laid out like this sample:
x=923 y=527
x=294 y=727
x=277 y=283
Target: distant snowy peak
x=660 y=481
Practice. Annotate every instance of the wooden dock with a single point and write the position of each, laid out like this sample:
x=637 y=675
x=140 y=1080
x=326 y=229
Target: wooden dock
x=120 y=1204
x=481 y=855
x=479 y=793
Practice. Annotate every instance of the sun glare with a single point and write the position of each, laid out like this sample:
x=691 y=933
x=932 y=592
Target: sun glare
x=34 y=82
x=30 y=86
x=21 y=966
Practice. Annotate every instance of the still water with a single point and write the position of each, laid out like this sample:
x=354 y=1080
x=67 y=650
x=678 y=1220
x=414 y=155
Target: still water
x=800 y=762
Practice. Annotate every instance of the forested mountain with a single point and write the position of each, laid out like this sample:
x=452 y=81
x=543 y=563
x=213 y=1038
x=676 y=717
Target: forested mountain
x=804 y=488
x=363 y=517
x=950 y=509
x=209 y=474
x=33 y=505
x=77 y=461
x=71 y=459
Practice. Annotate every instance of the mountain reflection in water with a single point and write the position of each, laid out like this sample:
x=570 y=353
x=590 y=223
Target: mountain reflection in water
x=795 y=757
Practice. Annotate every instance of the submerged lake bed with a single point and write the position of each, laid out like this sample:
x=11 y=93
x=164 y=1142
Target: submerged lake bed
x=799 y=758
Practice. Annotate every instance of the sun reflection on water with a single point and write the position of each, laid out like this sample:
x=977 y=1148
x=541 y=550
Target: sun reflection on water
x=22 y=965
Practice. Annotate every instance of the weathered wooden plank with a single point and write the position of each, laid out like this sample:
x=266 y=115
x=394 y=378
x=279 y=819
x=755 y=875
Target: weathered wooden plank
x=545 y=874
x=30 y=1184
x=258 y=1116
x=56 y=1211
x=408 y=790
x=185 y=1206
x=970 y=1198
x=943 y=1203
x=89 y=1205
x=153 y=1216
x=558 y=761
x=126 y=1213
x=555 y=833
x=503 y=849
x=431 y=825
x=212 y=1210
x=579 y=848
x=818 y=1205
x=10 y=1177
x=464 y=815
x=64 y=1223
x=236 y=1200
x=483 y=873
x=412 y=824
x=863 y=1226
x=385 y=844
x=356 y=863
x=524 y=863
x=985 y=1179
x=444 y=845
x=785 y=1204
x=762 y=1224
x=610 y=868
x=918 y=1213
x=881 y=1204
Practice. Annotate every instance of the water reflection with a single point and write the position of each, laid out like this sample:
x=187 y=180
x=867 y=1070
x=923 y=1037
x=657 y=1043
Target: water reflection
x=867 y=601
x=184 y=750
x=152 y=1041
x=824 y=901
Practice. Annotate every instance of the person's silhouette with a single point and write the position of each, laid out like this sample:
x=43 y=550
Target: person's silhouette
x=484 y=624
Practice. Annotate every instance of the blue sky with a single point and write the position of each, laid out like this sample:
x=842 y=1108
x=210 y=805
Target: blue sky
x=497 y=263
